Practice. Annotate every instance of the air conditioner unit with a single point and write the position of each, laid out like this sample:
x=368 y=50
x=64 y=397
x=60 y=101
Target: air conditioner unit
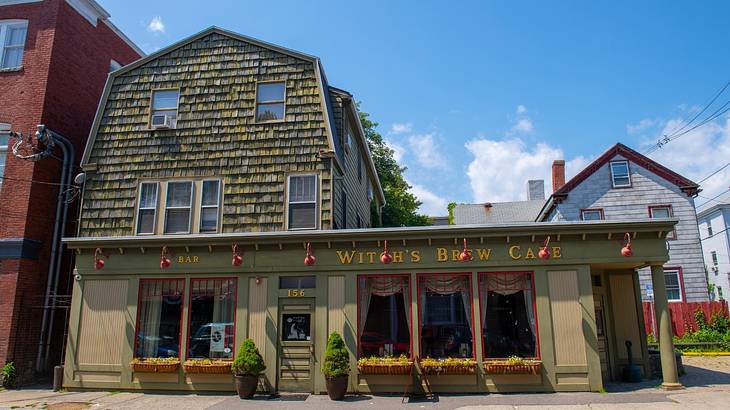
x=163 y=121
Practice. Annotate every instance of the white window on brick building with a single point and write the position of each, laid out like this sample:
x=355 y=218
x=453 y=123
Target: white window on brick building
x=12 y=42
x=4 y=137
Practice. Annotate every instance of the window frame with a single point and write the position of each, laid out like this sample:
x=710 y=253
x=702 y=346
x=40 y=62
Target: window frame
x=599 y=210
x=468 y=275
x=190 y=207
x=139 y=208
x=409 y=311
x=680 y=282
x=190 y=311
x=152 y=106
x=480 y=275
x=4 y=130
x=257 y=103
x=709 y=229
x=613 y=176
x=139 y=311
x=713 y=258
x=218 y=207
x=5 y=25
x=651 y=209
x=317 y=196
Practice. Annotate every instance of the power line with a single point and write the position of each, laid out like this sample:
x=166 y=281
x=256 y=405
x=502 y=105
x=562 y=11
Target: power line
x=715 y=233
x=713 y=198
x=712 y=101
x=708 y=177
x=33 y=181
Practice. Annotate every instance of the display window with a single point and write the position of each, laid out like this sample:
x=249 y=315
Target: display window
x=159 y=318
x=384 y=315
x=211 y=333
x=445 y=315
x=509 y=323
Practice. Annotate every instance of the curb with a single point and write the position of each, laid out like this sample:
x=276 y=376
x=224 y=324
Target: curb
x=706 y=354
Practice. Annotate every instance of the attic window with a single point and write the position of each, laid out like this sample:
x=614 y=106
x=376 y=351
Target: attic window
x=620 y=175
x=164 y=108
x=270 y=105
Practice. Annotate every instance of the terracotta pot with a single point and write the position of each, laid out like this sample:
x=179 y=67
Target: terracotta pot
x=246 y=385
x=337 y=387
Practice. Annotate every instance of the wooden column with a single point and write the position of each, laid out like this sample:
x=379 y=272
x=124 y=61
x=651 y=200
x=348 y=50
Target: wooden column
x=664 y=327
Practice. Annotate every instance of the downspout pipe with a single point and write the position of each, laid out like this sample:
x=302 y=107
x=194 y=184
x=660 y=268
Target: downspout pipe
x=59 y=227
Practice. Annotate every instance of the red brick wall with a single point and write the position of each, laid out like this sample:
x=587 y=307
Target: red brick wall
x=65 y=65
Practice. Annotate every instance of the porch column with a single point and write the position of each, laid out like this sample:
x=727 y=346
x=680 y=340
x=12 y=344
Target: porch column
x=664 y=328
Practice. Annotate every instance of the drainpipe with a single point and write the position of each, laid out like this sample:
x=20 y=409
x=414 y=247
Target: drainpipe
x=54 y=266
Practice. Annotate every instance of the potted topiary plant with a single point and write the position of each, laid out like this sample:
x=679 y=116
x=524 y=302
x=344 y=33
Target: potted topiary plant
x=336 y=367
x=247 y=368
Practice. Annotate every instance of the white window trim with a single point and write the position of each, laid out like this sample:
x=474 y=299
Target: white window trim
x=139 y=208
x=4 y=26
x=176 y=108
x=189 y=208
x=679 y=282
x=613 y=178
x=216 y=206
x=316 y=202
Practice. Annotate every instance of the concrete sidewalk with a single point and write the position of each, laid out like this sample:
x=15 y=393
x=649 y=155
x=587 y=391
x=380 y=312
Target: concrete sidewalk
x=707 y=387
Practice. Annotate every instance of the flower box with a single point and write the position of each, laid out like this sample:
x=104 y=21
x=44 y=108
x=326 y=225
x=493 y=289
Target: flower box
x=207 y=366
x=385 y=366
x=155 y=365
x=507 y=367
x=448 y=366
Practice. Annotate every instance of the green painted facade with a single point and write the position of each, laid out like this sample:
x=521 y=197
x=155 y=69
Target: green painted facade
x=585 y=248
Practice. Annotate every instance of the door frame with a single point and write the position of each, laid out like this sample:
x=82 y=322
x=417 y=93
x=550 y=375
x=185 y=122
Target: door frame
x=296 y=301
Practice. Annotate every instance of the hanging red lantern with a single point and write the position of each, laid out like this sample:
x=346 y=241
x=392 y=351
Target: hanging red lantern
x=98 y=261
x=465 y=255
x=544 y=252
x=165 y=262
x=626 y=251
x=386 y=257
x=309 y=259
x=237 y=259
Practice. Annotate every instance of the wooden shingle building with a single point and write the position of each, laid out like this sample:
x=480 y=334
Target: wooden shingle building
x=225 y=185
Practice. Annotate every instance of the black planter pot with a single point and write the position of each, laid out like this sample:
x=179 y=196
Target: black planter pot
x=337 y=387
x=246 y=385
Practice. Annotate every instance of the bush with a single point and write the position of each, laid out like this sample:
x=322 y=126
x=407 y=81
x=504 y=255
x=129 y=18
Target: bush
x=336 y=358
x=700 y=319
x=248 y=360
x=8 y=375
x=720 y=323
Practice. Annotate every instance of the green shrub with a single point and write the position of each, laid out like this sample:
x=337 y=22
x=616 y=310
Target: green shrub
x=248 y=360
x=720 y=323
x=700 y=319
x=336 y=358
x=8 y=375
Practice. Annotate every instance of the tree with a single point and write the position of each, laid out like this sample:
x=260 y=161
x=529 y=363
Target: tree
x=400 y=205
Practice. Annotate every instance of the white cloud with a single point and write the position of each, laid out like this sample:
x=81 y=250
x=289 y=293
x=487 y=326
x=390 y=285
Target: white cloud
x=156 y=25
x=432 y=204
x=426 y=151
x=398 y=150
x=401 y=128
x=523 y=125
x=521 y=109
x=697 y=154
x=500 y=169
x=640 y=126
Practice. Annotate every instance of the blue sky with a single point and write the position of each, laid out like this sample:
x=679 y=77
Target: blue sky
x=477 y=97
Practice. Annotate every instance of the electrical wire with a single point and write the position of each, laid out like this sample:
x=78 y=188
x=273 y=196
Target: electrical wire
x=33 y=181
x=715 y=233
x=707 y=105
x=713 y=198
x=708 y=177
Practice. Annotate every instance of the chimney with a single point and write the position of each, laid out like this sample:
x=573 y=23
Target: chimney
x=535 y=189
x=558 y=174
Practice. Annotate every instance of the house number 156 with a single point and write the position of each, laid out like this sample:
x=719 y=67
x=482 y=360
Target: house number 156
x=295 y=293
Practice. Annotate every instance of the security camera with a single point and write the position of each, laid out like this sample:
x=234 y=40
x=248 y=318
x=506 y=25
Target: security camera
x=77 y=277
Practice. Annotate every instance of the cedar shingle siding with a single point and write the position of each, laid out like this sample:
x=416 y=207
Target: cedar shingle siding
x=216 y=135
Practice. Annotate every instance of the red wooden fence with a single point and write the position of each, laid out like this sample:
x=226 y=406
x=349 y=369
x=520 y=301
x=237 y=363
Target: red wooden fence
x=683 y=314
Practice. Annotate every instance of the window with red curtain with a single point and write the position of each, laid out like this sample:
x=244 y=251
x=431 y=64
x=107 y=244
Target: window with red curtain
x=384 y=323
x=509 y=325
x=159 y=317
x=445 y=314
x=212 y=317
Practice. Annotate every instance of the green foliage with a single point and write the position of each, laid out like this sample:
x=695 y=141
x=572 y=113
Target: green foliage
x=336 y=358
x=720 y=323
x=451 y=207
x=700 y=319
x=716 y=333
x=400 y=204
x=248 y=360
x=9 y=375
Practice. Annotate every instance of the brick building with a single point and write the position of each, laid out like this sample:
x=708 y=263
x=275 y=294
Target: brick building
x=55 y=56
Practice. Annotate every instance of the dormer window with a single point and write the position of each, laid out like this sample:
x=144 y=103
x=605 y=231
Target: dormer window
x=270 y=101
x=12 y=43
x=620 y=175
x=164 y=108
